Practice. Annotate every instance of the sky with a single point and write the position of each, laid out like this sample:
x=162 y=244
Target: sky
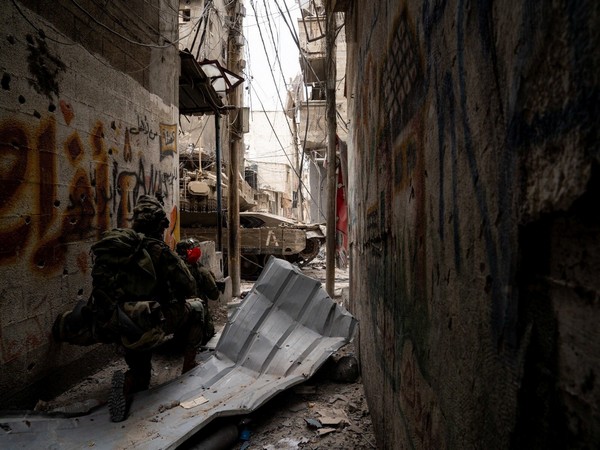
x=264 y=86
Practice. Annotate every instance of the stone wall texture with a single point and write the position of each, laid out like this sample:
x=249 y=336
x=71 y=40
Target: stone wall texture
x=474 y=182
x=88 y=123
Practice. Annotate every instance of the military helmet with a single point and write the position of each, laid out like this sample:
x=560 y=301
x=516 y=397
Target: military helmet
x=185 y=245
x=149 y=216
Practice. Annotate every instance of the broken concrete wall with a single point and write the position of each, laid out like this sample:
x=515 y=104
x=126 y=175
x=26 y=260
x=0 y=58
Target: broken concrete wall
x=474 y=226
x=88 y=122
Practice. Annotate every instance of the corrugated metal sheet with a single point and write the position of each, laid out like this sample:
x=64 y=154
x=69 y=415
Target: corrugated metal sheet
x=284 y=330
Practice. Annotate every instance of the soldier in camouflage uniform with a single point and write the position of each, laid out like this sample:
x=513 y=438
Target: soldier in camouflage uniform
x=207 y=287
x=138 y=324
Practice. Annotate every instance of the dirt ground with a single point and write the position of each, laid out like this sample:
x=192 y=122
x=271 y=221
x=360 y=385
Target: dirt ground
x=323 y=413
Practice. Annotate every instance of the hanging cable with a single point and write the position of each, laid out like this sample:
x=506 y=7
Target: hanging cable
x=295 y=171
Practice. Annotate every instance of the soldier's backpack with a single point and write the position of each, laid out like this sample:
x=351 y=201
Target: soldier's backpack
x=124 y=283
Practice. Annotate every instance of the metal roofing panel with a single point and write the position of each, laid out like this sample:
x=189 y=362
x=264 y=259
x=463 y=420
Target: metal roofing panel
x=283 y=331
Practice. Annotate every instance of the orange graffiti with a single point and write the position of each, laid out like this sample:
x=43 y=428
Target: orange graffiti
x=67 y=111
x=46 y=145
x=74 y=147
x=127 y=153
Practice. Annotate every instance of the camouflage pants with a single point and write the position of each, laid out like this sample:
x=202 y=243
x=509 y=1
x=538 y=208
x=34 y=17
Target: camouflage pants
x=138 y=326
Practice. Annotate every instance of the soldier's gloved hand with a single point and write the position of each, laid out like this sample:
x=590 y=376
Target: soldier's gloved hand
x=221 y=286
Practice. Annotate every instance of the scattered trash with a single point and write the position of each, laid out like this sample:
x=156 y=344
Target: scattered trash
x=345 y=370
x=244 y=432
x=332 y=421
x=194 y=402
x=324 y=431
x=164 y=407
x=313 y=423
x=338 y=398
x=286 y=444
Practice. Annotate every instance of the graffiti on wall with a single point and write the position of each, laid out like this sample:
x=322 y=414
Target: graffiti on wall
x=394 y=227
x=402 y=76
x=168 y=140
x=99 y=193
x=423 y=416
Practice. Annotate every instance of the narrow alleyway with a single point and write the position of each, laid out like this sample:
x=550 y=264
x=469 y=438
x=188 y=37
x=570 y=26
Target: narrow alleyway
x=324 y=412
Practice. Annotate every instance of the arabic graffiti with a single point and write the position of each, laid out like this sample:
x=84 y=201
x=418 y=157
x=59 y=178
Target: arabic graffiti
x=168 y=140
x=42 y=220
x=143 y=127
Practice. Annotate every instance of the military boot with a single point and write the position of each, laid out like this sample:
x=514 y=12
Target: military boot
x=189 y=360
x=120 y=397
x=124 y=385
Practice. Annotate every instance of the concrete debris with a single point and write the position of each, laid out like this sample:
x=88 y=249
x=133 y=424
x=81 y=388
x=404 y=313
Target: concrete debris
x=324 y=431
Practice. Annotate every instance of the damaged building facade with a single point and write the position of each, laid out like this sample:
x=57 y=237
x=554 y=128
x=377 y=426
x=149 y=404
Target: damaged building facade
x=474 y=229
x=310 y=107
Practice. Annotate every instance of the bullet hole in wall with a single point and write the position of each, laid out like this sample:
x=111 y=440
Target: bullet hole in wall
x=112 y=125
x=56 y=203
x=41 y=263
x=80 y=292
x=10 y=38
x=51 y=107
x=29 y=39
x=6 y=82
x=30 y=367
x=37 y=114
x=65 y=272
x=21 y=99
x=110 y=151
x=27 y=220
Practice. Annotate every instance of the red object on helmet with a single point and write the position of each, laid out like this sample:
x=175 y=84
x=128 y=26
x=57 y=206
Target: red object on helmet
x=193 y=255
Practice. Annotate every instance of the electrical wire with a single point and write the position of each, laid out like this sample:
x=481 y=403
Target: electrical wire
x=131 y=41
x=293 y=168
x=39 y=30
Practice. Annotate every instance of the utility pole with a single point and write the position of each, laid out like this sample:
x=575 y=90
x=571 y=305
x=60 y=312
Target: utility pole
x=298 y=162
x=219 y=182
x=235 y=149
x=330 y=49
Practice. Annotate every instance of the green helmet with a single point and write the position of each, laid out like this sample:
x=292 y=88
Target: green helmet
x=185 y=245
x=149 y=216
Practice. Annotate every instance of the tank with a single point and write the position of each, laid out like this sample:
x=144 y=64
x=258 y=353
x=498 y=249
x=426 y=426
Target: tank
x=262 y=234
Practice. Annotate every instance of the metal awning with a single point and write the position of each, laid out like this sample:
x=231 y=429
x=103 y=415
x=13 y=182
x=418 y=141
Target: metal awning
x=283 y=331
x=203 y=85
x=197 y=95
